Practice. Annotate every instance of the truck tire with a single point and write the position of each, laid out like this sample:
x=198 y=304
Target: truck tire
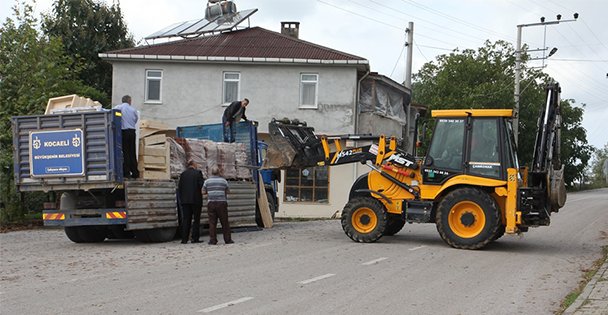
x=468 y=218
x=273 y=208
x=499 y=233
x=157 y=235
x=394 y=224
x=364 y=219
x=118 y=232
x=86 y=234
x=72 y=233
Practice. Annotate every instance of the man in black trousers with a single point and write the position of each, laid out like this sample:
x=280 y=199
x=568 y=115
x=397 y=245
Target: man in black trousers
x=232 y=115
x=129 y=124
x=191 y=201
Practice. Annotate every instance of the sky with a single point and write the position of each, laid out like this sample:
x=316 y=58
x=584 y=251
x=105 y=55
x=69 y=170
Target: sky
x=375 y=30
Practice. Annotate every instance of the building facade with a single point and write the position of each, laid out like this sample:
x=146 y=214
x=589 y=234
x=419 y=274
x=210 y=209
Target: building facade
x=189 y=82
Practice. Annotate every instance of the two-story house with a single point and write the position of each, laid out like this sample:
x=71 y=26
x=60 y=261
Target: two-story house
x=190 y=81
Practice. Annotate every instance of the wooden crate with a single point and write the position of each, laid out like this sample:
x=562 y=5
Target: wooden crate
x=154 y=160
x=69 y=101
x=154 y=150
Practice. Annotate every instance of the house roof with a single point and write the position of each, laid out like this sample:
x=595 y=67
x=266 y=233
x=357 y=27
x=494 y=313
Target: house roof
x=254 y=44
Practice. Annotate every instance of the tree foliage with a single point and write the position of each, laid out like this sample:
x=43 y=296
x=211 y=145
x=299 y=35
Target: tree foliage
x=484 y=78
x=33 y=69
x=87 y=28
x=598 y=175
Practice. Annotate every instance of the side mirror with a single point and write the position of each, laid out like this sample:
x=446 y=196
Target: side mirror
x=428 y=161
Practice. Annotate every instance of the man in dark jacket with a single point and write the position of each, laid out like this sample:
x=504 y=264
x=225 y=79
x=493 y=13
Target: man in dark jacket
x=191 y=201
x=232 y=115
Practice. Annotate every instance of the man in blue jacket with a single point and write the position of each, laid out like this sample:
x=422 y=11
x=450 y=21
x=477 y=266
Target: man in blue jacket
x=232 y=115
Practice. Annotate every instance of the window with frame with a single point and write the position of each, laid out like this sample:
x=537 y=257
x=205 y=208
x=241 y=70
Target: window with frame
x=307 y=185
x=154 y=80
x=232 y=86
x=309 y=90
x=447 y=143
x=485 y=155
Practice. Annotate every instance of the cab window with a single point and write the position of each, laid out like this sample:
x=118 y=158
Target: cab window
x=447 y=144
x=485 y=156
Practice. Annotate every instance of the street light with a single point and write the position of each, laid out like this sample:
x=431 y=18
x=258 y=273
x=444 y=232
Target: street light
x=518 y=52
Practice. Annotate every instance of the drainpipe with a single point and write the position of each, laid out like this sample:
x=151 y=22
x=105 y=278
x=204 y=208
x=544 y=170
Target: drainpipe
x=356 y=131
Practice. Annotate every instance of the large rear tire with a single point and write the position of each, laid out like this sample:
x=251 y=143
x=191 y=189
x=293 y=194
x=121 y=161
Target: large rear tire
x=468 y=218
x=394 y=224
x=158 y=235
x=118 y=232
x=72 y=233
x=364 y=219
x=86 y=234
x=499 y=233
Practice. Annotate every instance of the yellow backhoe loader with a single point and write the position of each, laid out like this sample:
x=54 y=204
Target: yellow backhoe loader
x=469 y=183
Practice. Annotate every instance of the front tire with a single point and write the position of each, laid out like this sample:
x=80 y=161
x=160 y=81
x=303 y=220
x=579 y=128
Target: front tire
x=468 y=218
x=364 y=219
x=394 y=224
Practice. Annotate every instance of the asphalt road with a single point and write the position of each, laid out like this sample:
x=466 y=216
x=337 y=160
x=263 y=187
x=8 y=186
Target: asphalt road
x=305 y=268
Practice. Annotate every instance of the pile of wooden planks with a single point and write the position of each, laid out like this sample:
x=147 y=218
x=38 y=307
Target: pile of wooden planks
x=154 y=150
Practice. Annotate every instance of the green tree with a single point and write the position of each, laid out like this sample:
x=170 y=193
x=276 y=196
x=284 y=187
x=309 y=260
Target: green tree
x=484 y=78
x=33 y=69
x=600 y=156
x=87 y=28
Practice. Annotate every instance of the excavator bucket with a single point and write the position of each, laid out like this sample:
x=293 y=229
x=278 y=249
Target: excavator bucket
x=292 y=145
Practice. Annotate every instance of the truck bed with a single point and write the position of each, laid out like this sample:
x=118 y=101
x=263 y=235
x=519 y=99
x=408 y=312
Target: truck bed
x=101 y=151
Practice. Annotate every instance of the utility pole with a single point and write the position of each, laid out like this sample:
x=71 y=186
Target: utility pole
x=516 y=94
x=408 y=81
x=410 y=49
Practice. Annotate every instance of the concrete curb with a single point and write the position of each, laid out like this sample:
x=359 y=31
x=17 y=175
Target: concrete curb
x=583 y=304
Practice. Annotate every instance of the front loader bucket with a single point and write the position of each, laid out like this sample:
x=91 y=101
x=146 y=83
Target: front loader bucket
x=292 y=145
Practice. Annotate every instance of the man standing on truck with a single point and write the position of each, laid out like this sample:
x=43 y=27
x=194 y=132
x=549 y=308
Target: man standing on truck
x=191 y=201
x=129 y=122
x=216 y=187
x=232 y=115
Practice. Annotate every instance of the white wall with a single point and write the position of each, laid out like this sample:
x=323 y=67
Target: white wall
x=192 y=93
x=341 y=179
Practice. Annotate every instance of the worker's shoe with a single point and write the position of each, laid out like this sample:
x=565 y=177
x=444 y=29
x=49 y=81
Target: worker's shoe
x=230 y=242
x=212 y=243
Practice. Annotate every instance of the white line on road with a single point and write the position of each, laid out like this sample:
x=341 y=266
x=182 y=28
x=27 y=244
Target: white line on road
x=317 y=278
x=220 y=306
x=371 y=262
x=419 y=247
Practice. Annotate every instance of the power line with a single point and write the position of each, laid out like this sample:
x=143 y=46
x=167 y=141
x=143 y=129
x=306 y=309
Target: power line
x=418 y=47
x=455 y=19
x=579 y=60
x=382 y=22
x=443 y=28
x=594 y=35
x=361 y=15
x=397 y=62
x=434 y=47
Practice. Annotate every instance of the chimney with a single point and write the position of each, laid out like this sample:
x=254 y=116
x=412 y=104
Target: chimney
x=290 y=29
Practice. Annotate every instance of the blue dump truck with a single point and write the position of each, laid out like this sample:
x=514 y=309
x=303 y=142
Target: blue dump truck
x=77 y=157
x=247 y=133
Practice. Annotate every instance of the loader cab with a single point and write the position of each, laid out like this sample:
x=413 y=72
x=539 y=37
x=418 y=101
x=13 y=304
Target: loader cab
x=470 y=142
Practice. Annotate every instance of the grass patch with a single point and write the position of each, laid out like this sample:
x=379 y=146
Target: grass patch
x=588 y=275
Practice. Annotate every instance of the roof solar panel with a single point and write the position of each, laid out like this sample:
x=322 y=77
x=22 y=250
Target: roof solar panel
x=203 y=26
